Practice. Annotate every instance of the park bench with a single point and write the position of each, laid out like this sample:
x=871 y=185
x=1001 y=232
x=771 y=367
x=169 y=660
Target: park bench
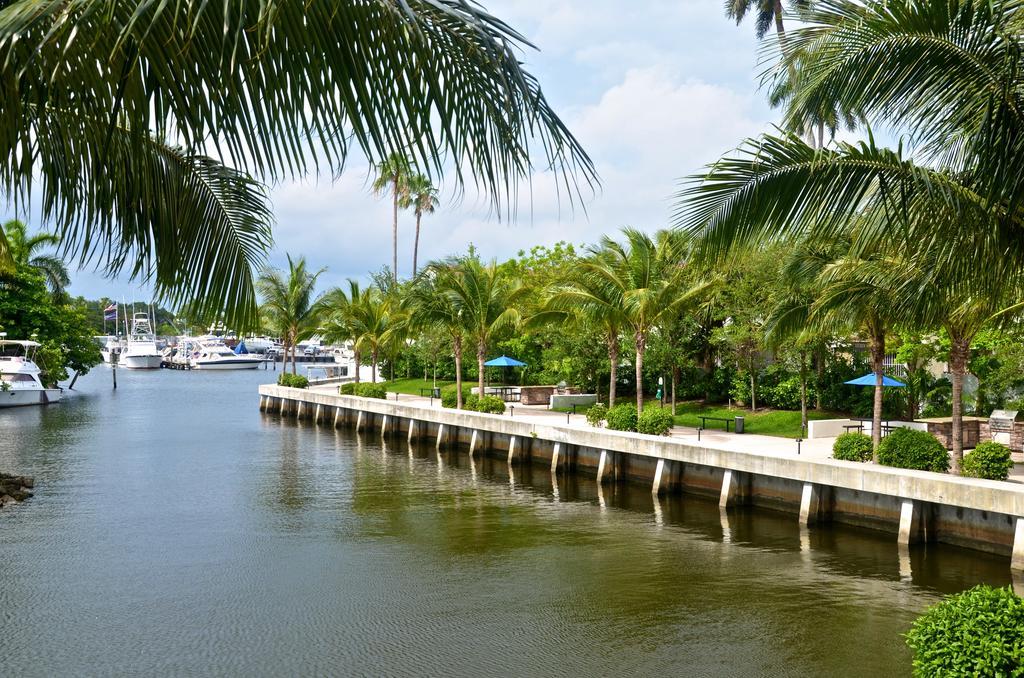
x=704 y=421
x=430 y=393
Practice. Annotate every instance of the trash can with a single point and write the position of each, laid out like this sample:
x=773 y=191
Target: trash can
x=739 y=424
x=436 y=393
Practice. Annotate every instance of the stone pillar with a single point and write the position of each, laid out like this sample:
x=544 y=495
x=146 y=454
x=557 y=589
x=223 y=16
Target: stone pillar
x=913 y=522
x=512 y=440
x=440 y=436
x=300 y=409
x=359 y=421
x=263 y=403
x=337 y=416
x=412 y=429
x=811 y=505
x=472 y=442
x=555 y=457
x=317 y=413
x=384 y=425
x=735 y=489
x=659 y=474
x=280 y=405
x=604 y=466
x=1017 y=559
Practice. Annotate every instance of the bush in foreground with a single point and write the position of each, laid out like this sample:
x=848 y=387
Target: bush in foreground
x=364 y=390
x=449 y=395
x=979 y=632
x=347 y=389
x=989 y=460
x=852 y=447
x=292 y=380
x=596 y=414
x=622 y=418
x=907 y=448
x=655 y=421
x=490 y=404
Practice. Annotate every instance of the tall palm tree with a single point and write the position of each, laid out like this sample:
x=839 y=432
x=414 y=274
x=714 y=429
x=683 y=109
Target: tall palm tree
x=647 y=276
x=421 y=196
x=289 y=304
x=24 y=249
x=484 y=297
x=393 y=178
x=250 y=92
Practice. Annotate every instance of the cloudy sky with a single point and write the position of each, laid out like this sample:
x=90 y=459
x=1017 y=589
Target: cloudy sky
x=653 y=89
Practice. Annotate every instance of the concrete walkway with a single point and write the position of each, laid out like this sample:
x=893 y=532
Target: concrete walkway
x=751 y=443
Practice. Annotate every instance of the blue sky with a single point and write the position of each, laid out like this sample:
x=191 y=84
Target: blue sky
x=653 y=88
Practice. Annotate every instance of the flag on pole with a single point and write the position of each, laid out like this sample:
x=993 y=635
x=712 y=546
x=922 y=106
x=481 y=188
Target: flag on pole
x=110 y=312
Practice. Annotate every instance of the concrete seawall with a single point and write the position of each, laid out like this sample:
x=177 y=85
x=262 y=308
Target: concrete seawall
x=915 y=506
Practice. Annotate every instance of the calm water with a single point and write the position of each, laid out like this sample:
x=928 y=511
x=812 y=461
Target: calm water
x=177 y=531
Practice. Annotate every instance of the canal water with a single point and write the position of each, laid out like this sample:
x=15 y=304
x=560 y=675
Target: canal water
x=177 y=531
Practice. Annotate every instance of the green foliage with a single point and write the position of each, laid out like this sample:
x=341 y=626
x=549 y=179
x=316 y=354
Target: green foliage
x=471 y=402
x=491 y=404
x=347 y=389
x=979 y=632
x=27 y=308
x=622 y=418
x=907 y=448
x=655 y=421
x=368 y=390
x=988 y=460
x=852 y=447
x=449 y=396
x=596 y=414
x=292 y=380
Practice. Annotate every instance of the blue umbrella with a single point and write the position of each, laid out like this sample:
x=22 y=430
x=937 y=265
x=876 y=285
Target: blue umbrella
x=504 y=361
x=869 y=380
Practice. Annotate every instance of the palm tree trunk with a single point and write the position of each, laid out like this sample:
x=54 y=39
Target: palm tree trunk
x=641 y=345
x=481 y=353
x=295 y=341
x=819 y=368
x=877 y=358
x=613 y=361
x=416 y=242
x=457 y=347
x=803 y=392
x=356 y=358
x=394 y=230
x=959 y=353
x=675 y=380
x=753 y=390
x=373 y=366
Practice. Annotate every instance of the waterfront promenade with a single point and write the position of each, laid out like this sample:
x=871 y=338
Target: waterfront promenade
x=916 y=506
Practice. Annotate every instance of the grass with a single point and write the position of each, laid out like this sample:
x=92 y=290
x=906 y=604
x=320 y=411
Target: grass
x=412 y=386
x=784 y=423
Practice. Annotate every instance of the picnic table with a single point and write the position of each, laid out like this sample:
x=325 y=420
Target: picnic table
x=508 y=394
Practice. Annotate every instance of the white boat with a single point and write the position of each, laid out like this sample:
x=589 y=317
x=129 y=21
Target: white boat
x=212 y=354
x=20 y=383
x=141 y=352
x=110 y=348
x=261 y=344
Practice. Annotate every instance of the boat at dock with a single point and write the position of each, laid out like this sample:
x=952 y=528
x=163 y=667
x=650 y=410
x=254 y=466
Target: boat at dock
x=110 y=347
x=20 y=381
x=141 y=352
x=213 y=354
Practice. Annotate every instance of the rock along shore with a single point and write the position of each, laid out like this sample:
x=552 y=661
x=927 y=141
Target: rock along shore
x=15 y=488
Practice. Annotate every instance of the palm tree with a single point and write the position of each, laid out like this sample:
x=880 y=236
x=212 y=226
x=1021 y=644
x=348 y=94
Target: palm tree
x=483 y=298
x=421 y=196
x=647 y=276
x=393 y=178
x=430 y=305
x=272 y=90
x=24 y=249
x=289 y=304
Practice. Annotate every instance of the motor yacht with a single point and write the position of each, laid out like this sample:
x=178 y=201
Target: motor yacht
x=141 y=352
x=20 y=382
x=212 y=354
x=110 y=347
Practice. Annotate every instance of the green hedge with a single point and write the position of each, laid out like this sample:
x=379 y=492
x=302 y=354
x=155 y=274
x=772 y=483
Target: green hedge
x=979 y=632
x=920 y=450
x=622 y=418
x=655 y=421
x=292 y=380
x=596 y=414
x=491 y=404
x=449 y=393
x=988 y=460
x=852 y=447
x=364 y=390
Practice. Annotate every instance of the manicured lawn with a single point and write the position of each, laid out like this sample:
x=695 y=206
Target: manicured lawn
x=412 y=386
x=783 y=423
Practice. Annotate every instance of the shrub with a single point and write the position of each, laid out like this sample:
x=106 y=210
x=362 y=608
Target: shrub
x=979 y=632
x=471 y=402
x=448 y=395
x=491 y=404
x=347 y=389
x=907 y=448
x=988 y=460
x=596 y=414
x=622 y=418
x=292 y=380
x=655 y=421
x=370 y=390
x=852 y=447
